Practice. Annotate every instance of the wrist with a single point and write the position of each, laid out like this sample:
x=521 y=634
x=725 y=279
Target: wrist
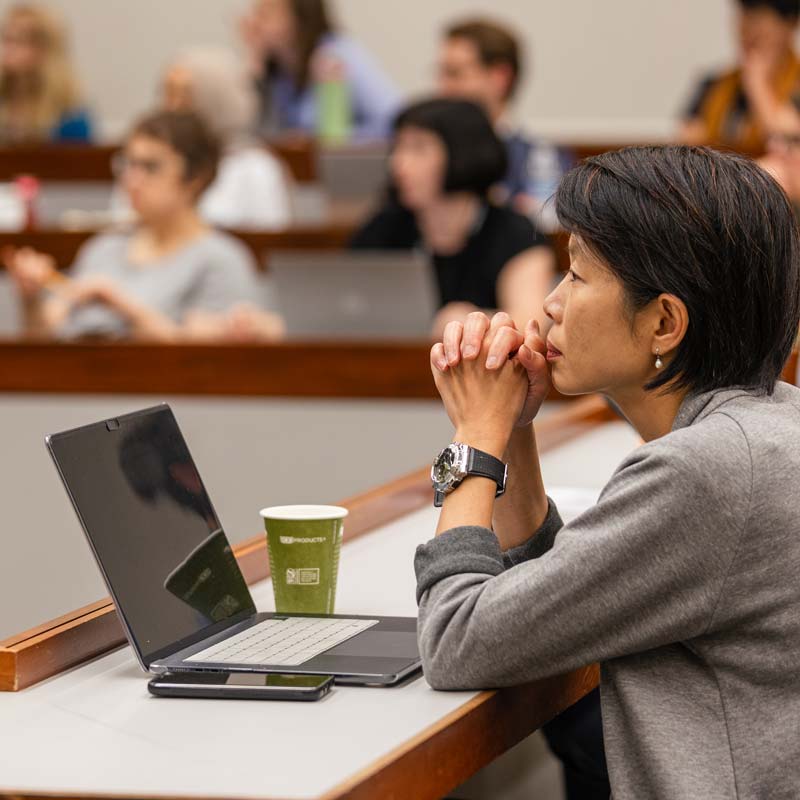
x=494 y=443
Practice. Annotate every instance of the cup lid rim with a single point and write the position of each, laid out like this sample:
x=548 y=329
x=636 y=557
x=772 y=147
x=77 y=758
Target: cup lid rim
x=304 y=512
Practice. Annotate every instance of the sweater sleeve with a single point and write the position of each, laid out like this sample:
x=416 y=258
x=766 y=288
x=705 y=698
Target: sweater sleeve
x=540 y=543
x=641 y=569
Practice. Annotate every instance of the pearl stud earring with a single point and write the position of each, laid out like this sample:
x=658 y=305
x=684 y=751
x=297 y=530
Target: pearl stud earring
x=659 y=362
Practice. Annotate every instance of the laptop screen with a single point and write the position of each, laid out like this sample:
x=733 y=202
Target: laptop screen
x=152 y=527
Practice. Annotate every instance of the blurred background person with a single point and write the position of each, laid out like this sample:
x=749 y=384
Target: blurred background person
x=251 y=190
x=170 y=277
x=311 y=77
x=40 y=97
x=742 y=107
x=782 y=161
x=445 y=158
x=481 y=60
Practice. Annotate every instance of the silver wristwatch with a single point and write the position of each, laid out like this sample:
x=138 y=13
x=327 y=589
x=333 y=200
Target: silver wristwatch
x=456 y=462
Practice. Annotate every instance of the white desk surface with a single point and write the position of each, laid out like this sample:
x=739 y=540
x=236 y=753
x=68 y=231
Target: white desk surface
x=96 y=729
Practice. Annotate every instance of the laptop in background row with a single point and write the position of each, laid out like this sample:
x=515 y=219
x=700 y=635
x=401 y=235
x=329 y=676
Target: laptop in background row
x=355 y=295
x=171 y=572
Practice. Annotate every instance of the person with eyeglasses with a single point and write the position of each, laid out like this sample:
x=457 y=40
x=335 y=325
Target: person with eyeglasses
x=169 y=277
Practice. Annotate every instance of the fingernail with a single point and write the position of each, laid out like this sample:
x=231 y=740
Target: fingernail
x=469 y=351
x=491 y=362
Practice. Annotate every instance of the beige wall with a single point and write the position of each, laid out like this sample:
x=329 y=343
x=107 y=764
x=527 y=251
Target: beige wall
x=603 y=68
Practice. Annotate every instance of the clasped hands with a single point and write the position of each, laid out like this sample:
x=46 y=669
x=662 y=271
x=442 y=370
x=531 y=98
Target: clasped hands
x=491 y=377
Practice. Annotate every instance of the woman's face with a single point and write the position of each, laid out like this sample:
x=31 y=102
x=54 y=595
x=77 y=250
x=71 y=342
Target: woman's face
x=274 y=24
x=593 y=345
x=20 y=54
x=418 y=164
x=154 y=178
x=764 y=31
x=177 y=89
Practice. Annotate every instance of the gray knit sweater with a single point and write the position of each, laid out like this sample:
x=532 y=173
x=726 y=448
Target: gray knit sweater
x=683 y=582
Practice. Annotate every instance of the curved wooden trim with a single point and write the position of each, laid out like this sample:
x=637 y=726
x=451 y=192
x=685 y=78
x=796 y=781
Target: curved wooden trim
x=63 y=245
x=435 y=761
x=66 y=163
x=44 y=651
x=790 y=370
x=292 y=369
x=308 y=369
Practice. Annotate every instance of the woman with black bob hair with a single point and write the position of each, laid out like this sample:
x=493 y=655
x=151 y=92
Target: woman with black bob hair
x=681 y=305
x=445 y=159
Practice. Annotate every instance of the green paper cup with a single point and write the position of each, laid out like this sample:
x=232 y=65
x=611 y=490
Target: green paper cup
x=304 y=543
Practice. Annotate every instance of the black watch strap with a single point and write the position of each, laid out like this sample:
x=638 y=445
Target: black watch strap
x=478 y=463
x=487 y=466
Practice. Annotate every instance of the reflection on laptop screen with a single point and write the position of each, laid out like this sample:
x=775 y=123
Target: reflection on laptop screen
x=152 y=527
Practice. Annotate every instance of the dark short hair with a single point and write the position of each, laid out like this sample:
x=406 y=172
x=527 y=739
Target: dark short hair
x=788 y=9
x=476 y=158
x=711 y=228
x=496 y=45
x=190 y=137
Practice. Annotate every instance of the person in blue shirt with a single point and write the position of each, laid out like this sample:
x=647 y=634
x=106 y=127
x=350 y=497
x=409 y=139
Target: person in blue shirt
x=40 y=99
x=482 y=61
x=293 y=50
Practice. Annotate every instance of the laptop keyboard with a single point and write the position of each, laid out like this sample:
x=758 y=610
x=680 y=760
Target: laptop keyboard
x=285 y=641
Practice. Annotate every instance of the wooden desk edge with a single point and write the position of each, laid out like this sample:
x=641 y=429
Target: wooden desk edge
x=428 y=766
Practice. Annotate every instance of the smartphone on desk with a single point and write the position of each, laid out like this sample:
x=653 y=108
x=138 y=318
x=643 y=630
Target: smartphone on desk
x=240 y=685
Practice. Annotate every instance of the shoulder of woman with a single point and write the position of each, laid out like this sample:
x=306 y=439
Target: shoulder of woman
x=693 y=460
x=515 y=229
x=341 y=45
x=226 y=251
x=106 y=244
x=391 y=225
x=250 y=165
x=101 y=254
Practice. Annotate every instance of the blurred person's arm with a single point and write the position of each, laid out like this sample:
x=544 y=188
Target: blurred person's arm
x=773 y=114
x=245 y=322
x=692 y=132
x=522 y=286
x=255 y=49
x=32 y=274
x=144 y=322
x=692 y=129
x=524 y=283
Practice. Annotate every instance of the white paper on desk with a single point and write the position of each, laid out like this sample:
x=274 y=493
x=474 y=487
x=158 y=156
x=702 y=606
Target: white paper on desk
x=572 y=501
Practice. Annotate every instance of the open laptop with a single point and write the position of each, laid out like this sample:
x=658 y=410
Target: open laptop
x=169 y=567
x=355 y=294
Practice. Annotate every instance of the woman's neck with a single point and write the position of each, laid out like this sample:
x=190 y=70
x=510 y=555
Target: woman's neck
x=652 y=413
x=447 y=222
x=157 y=238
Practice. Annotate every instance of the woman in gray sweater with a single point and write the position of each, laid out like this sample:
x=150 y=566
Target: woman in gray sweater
x=681 y=305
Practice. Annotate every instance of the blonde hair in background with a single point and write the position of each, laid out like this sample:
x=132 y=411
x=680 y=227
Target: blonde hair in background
x=222 y=93
x=53 y=89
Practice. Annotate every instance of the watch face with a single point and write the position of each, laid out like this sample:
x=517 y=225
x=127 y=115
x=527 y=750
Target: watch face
x=443 y=468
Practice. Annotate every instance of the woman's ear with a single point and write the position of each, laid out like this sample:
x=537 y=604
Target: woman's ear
x=670 y=323
x=196 y=186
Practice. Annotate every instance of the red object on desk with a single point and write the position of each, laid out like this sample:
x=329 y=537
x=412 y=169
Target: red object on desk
x=28 y=187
